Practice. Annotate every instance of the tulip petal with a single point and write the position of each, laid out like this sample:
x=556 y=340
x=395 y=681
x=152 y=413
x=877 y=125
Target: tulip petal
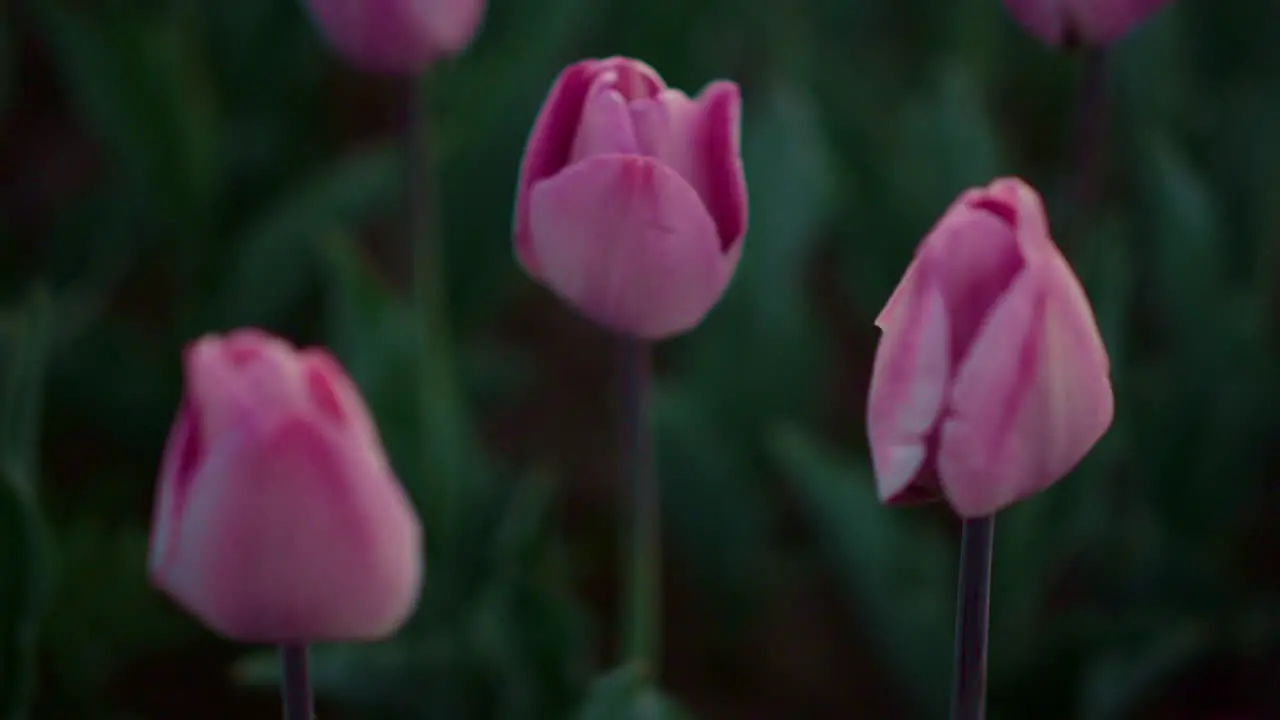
x=329 y=385
x=551 y=140
x=627 y=241
x=989 y=444
x=633 y=78
x=723 y=181
x=699 y=139
x=246 y=369
x=605 y=127
x=944 y=226
x=976 y=260
x=1030 y=400
x=342 y=560
x=548 y=148
x=183 y=452
x=908 y=387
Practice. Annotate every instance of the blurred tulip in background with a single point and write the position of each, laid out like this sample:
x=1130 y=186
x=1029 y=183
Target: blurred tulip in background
x=277 y=516
x=1075 y=22
x=397 y=36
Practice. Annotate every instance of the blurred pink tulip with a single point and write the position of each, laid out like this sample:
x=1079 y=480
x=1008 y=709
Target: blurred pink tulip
x=632 y=203
x=397 y=36
x=1088 y=22
x=991 y=381
x=277 y=517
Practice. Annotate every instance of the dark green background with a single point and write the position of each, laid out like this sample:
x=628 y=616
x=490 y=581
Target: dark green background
x=169 y=168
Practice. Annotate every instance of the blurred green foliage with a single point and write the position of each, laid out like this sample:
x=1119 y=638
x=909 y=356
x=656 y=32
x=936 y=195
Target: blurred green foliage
x=173 y=167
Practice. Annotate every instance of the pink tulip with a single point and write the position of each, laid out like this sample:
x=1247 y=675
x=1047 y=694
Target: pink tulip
x=397 y=36
x=990 y=381
x=277 y=517
x=632 y=203
x=1090 y=22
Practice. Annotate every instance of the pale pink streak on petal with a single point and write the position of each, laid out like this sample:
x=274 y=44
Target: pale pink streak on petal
x=183 y=452
x=908 y=386
x=628 y=242
x=633 y=78
x=1064 y=287
x=976 y=259
x=235 y=384
x=1033 y=395
x=989 y=447
x=666 y=129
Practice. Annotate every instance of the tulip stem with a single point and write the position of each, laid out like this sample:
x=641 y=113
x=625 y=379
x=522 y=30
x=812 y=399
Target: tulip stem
x=439 y=403
x=1092 y=113
x=295 y=689
x=973 y=604
x=642 y=607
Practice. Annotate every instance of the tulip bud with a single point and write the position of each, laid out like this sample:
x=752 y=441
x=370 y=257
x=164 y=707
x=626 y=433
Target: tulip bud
x=277 y=517
x=991 y=381
x=397 y=36
x=632 y=203
x=1066 y=23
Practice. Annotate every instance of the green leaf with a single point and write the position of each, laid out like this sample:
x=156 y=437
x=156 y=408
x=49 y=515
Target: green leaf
x=948 y=142
x=1116 y=682
x=728 y=545
x=481 y=135
x=88 y=255
x=1182 y=236
x=940 y=142
x=24 y=556
x=383 y=676
x=431 y=439
x=135 y=82
x=625 y=694
x=523 y=524
x=274 y=263
x=785 y=153
x=1152 y=71
x=769 y=304
x=513 y=646
x=105 y=614
x=25 y=344
x=145 y=385
x=24 y=589
x=899 y=574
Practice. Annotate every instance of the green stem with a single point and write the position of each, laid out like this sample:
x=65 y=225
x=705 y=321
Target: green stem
x=439 y=401
x=642 y=620
x=1092 y=115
